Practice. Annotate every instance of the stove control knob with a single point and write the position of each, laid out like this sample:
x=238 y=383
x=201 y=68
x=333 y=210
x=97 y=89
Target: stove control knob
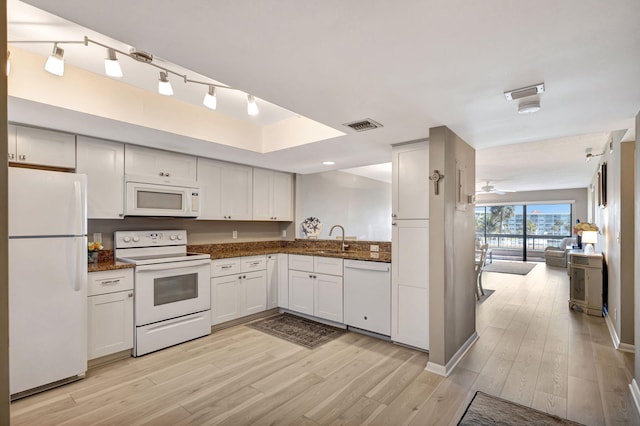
x=136 y=239
x=179 y=237
x=126 y=239
x=172 y=237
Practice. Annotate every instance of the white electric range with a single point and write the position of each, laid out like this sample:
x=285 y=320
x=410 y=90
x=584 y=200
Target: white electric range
x=172 y=288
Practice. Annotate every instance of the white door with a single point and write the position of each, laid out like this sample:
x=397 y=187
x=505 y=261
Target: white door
x=46 y=203
x=237 y=192
x=103 y=163
x=301 y=292
x=254 y=285
x=47 y=310
x=282 y=196
x=283 y=280
x=410 y=181
x=262 y=194
x=110 y=323
x=328 y=297
x=272 y=281
x=45 y=147
x=225 y=298
x=410 y=283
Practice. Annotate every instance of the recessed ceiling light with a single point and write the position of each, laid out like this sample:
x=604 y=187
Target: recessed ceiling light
x=328 y=163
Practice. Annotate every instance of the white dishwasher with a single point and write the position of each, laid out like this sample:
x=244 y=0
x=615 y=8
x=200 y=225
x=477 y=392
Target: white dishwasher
x=367 y=295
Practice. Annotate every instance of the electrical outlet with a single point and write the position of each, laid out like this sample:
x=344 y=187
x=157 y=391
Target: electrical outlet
x=374 y=255
x=374 y=247
x=284 y=233
x=97 y=237
x=235 y=235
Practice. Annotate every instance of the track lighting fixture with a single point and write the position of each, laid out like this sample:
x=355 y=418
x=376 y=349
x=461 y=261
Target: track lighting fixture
x=55 y=65
x=111 y=64
x=164 y=85
x=55 y=62
x=252 y=107
x=590 y=155
x=210 y=98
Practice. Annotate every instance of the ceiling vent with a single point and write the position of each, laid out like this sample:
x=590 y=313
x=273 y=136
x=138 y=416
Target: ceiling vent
x=363 y=125
x=513 y=95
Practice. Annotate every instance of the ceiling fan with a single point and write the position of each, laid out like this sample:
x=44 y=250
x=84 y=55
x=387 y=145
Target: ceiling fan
x=490 y=189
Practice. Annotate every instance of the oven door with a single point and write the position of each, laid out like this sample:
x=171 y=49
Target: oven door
x=170 y=290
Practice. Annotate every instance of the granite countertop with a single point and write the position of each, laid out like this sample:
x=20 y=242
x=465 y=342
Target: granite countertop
x=326 y=248
x=108 y=265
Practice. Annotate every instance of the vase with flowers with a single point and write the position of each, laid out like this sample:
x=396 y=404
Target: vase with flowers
x=583 y=226
x=93 y=250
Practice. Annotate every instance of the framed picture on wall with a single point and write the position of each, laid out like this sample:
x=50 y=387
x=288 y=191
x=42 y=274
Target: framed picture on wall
x=602 y=185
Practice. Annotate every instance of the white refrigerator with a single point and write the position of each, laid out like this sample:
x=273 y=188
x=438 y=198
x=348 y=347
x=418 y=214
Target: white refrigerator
x=47 y=278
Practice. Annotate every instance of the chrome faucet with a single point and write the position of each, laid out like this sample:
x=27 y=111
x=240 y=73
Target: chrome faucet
x=344 y=246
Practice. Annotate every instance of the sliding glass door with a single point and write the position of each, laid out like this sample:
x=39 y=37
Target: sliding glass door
x=521 y=232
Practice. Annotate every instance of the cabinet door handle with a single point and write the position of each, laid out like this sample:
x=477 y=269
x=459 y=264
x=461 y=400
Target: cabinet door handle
x=161 y=173
x=393 y=223
x=166 y=174
x=22 y=157
x=255 y=263
x=110 y=282
x=130 y=294
x=225 y=266
x=394 y=215
x=12 y=156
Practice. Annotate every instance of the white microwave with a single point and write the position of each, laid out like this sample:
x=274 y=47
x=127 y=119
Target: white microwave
x=149 y=199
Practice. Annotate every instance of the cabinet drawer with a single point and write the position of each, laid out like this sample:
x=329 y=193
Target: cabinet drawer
x=222 y=267
x=110 y=281
x=327 y=265
x=253 y=263
x=301 y=262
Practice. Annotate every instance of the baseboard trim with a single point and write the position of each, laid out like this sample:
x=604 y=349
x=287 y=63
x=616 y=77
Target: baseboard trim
x=623 y=347
x=635 y=393
x=445 y=370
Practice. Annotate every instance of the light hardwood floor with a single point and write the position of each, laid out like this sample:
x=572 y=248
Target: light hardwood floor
x=532 y=350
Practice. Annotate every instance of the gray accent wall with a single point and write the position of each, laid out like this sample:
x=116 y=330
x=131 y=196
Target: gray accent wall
x=452 y=297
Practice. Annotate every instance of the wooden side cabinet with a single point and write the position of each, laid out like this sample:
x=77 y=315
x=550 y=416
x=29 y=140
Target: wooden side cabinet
x=585 y=289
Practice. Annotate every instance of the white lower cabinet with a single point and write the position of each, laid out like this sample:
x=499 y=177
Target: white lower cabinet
x=110 y=312
x=410 y=283
x=313 y=292
x=238 y=294
x=276 y=280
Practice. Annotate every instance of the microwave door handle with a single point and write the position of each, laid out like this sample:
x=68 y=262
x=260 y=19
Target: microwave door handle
x=172 y=265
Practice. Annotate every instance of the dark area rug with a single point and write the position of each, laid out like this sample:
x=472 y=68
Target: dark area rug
x=487 y=292
x=488 y=410
x=518 y=268
x=300 y=331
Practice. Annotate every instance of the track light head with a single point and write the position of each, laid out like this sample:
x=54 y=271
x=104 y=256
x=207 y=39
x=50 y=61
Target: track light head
x=111 y=64
x=252 y=107
x=210 y=100
x=55 y=62
x=164 y=85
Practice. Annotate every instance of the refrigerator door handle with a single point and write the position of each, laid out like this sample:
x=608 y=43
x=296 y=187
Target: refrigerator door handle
x=78 y=199
x=80 y=267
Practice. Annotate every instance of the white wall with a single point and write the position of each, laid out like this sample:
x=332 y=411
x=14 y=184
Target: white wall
x=361 y=205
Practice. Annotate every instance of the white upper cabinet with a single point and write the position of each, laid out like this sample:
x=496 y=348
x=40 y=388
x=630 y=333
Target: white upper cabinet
x=28 y=145
x=272 y=195
x=225 y=190
x=410 y=181
x=103 y=163
x=158 y=166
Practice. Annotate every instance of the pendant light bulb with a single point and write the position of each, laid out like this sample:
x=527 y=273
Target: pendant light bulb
x=164 y=85
x=252 y=107
x=8 y=62
x=111 y=64
x=210 y=100
x=55 y=62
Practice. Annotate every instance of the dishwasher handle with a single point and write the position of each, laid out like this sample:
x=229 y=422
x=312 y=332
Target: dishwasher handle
x=374 y=268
